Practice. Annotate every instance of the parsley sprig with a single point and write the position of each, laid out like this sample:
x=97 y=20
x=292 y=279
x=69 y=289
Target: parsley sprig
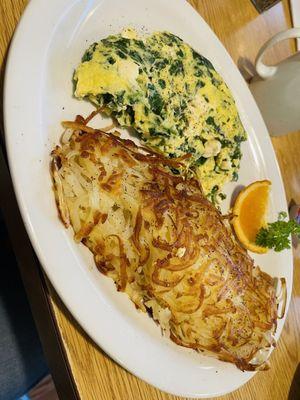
x=276 y=235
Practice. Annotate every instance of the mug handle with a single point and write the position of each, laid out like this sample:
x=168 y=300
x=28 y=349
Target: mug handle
x=267 y=71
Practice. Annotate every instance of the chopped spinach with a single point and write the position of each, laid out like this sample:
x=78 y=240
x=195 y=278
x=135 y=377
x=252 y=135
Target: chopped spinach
x=162 y=83
x=215 y=82
x=175 y=171
x=184 y=147
x=122 y=44
x=176 y=68
x=202 y=60
x=201 y=161
x=121 y=55
x=135 y=56
x=200 y=84
x=177 y=111
x=210 y=121
x=140 y=44
x=154 y=132
x=213 y=194
x=111 y=60
x=225 y=143
x=183 y=104
x=171 y=39
x=88 y=55
x=155 y=99
x=198 y=73
x=235 y=176
x=107 y=98
x=99 y=99
x=120 y=97
x=161 y=64
x=156 y=54
x=237 y=153
x=239 y=138
x=172 y=155
x=130 y=113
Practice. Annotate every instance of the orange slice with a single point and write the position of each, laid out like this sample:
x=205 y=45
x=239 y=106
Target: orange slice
x=250 y=209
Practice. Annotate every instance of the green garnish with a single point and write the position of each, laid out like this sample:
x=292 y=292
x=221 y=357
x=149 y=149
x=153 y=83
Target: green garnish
x=277 y=234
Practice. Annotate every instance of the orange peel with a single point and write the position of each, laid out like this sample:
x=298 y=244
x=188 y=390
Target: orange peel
x=249 y=214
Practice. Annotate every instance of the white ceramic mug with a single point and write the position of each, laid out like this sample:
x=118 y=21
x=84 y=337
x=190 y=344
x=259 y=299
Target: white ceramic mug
x=277 y=90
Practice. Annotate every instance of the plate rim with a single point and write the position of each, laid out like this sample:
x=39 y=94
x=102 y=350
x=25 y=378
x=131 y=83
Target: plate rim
x=16 y=44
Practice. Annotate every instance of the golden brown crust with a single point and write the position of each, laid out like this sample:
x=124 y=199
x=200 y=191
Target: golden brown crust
x=165 y=244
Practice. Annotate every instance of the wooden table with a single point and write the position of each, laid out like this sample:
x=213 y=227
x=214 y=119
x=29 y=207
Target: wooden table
x=80 y=369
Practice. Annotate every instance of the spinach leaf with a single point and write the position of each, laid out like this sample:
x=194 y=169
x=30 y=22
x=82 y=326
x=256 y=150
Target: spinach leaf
x=140 y=44
x=154 y=132
x=135 y=56
x=210 y=121
x=200 y=84
x=198 y=73
x=183 y=104
x=239 y=138
x=88 y=55
x=175 y=171
x=120 y=98
x=177 y=111
x=120 y=54
x=237 y=153
x=202 y=60
x=107 y=98
x=215 y=82
x=161 y=64
x=225 y=143
x=111 y=60
x=122 y=44
x=176 y=68
x=155 y=99
x=162 y=83
x=171 y=39
x=130 y=113
x=235 y=176
x=200 y=161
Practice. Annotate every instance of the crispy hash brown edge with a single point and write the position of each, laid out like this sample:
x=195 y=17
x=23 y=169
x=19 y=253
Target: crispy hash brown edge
x=144 y=155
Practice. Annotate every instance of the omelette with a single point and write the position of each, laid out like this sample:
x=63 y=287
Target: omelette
x=172 y=96
x=164 y=244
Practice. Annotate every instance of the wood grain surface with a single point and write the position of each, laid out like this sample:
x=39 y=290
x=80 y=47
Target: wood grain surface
x=96 y=377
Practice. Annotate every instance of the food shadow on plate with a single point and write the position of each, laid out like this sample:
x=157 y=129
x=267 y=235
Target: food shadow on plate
x=235 y=193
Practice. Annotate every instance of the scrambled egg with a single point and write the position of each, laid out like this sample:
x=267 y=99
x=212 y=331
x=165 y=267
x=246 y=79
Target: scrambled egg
x=172 y=96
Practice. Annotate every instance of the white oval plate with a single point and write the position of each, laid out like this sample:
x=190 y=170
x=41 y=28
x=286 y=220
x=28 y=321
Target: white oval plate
x=47 y=46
